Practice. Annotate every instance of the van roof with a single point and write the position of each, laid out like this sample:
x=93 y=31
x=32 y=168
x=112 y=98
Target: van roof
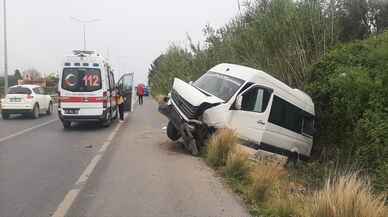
x=245 y=73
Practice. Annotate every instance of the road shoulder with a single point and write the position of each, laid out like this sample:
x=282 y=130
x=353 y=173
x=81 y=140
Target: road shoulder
x=144 y=174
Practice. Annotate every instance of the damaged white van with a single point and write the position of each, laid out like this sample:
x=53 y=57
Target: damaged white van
x=266 y=113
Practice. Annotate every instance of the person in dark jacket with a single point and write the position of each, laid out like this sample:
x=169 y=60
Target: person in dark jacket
x=140 y=93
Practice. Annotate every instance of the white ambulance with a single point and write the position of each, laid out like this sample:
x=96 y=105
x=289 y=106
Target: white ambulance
x=86 y=89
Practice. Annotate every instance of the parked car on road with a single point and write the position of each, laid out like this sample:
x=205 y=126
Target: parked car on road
x=27 y=100
x=266 y=113
x=147 y=91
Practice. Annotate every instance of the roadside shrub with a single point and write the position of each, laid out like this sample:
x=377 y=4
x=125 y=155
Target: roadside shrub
x=350 y=87
x=264 y=178
x=347 y=196
x=220 y=145
x=160 y=99
x=283 y=205
x=237 y=164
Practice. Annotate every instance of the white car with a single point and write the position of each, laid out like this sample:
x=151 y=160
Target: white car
x=26 y=99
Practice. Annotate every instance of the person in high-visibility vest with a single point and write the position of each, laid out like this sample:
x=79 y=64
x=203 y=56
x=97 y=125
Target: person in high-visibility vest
x=120 y=102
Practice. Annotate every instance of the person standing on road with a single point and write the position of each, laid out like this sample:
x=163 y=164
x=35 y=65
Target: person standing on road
x=140 y=93
x=120 y=102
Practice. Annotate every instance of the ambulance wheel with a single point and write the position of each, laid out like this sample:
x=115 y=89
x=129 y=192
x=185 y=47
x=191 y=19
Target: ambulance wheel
x=116 y=113
x=172 y=132
x=108 y=121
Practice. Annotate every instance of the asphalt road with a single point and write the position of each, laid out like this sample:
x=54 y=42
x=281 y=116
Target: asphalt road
x=140 y=174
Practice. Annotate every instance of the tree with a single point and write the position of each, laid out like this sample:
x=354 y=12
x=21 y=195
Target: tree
x=379 y=15
x=18 y=75
x=32 y=74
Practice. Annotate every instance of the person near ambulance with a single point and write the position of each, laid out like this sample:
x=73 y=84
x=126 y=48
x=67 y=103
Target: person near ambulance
x=140 y=93
x=120 y=102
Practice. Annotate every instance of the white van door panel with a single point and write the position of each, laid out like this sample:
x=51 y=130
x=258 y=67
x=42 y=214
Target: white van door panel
x=248 y=125
x=250 y=120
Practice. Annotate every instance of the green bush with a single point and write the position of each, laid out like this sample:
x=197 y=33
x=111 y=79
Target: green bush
x=350 y=89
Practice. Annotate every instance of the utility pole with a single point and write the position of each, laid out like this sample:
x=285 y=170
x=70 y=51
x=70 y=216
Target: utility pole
x=84 y=22
x=239 y=7
x=5 y=49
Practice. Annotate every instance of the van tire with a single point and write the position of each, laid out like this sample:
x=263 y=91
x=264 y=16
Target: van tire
x=35 y=112
x=172 y=132
x=50 y=109
x=293 y=158
x=5 y=116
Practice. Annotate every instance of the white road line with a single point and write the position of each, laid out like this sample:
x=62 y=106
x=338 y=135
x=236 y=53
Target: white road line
x=26 y=130
x=72 y=195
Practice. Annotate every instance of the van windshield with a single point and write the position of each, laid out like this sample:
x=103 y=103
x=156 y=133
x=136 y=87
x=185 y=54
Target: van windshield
x=219 y=85
x=81 y=79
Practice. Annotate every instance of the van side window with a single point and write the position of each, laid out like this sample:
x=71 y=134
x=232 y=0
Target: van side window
x=112 y=80
x=308 y=125
x=289 y=116
x=255 y=100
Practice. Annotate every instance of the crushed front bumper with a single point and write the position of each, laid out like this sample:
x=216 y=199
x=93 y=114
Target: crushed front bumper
x=185 y=129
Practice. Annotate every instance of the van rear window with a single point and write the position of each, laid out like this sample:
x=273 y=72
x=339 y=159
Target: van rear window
x=81 y=79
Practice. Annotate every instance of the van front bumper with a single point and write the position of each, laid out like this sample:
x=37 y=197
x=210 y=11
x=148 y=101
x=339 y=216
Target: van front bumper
x=186 y=129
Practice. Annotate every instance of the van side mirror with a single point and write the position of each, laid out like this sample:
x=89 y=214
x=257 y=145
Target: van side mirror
x=238 y=102
x=191 y=82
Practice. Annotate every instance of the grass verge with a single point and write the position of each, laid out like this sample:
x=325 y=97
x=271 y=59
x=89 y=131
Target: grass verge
x=271 y=190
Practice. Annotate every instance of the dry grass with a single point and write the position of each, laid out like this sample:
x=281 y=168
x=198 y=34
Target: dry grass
x=265 y=179
x=347 y=196
x=237 y=164
x=220 y=145
x=284 y=205
x=267 y=187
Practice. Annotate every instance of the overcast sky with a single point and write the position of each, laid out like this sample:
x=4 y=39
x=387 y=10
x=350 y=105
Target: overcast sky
x=132 y=33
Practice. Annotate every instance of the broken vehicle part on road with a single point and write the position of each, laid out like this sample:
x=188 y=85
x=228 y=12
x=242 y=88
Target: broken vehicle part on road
x=266 y=113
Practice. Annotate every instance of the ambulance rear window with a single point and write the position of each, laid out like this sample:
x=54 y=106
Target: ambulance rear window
x=81 y=79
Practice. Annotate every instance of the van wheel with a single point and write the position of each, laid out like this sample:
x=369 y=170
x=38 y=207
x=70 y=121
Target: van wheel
x=35 y=111
x=66 y=124
x=5 y=115
x=292 y=159
x=172 y=132
x=50 y=109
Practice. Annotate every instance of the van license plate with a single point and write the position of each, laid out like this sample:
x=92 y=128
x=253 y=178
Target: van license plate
x=71 y=111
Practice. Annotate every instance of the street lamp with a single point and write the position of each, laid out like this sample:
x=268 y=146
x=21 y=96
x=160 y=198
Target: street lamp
x=5 y=49
x=84 y=22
